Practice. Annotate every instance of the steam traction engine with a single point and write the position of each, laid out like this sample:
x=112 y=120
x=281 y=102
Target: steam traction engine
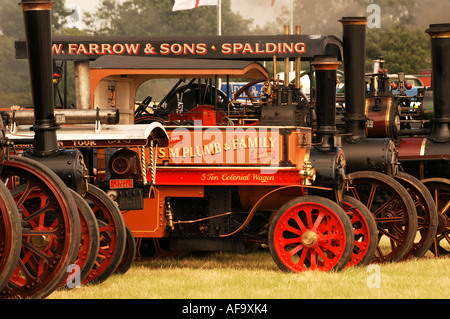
x=37 y=247
x=51 y=217
x=417 y=124
x=219 y=187
x=372 y=161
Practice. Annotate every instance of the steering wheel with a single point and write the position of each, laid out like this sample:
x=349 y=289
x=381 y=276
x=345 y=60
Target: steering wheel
x=142 y=108
x=193 y=95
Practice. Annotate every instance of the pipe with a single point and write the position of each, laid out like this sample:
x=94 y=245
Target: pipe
x=66 y=116
x=82 y=85
x=37 y=17
x=354 y=43
x=297 y=68
x=286 y=61
x=440 y=53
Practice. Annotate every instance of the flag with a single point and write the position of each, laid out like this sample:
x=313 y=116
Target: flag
x=191 y=4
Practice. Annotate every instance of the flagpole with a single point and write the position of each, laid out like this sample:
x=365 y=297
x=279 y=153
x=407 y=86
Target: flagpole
x=219 y=17
x=219 y=30
x=292 y=29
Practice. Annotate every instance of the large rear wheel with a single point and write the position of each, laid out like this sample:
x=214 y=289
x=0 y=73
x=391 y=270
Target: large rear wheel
x=89 y=243
x=10 y=235
x=112 y=234
x=50 y=228
x=427 y=217
x=440 y=191
x=393 y=210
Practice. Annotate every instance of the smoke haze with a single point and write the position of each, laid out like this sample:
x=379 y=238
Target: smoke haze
x=321 y=16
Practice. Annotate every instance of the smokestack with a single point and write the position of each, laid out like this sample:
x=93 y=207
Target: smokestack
x=440 y=55
x=361 y=153
x=325 y=68
x=37 y=16
x=68 y=164
x=354 y=42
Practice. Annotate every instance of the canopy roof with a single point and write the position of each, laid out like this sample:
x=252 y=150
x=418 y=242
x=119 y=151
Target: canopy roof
x=169 y=67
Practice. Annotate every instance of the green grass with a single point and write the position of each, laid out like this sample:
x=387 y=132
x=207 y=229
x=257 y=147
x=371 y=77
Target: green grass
x=255 y=276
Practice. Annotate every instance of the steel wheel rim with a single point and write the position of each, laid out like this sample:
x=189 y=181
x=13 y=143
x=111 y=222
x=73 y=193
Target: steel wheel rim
x=10 y=236
x=309 y=236
x=393 y=210
x=89 y=242
x=440 y=191
x=363 y=249
x=427 y=218
x=112 y=236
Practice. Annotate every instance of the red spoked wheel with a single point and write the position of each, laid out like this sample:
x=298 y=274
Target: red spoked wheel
x=50 y=228
x=440 y=191
x=311 y=233
x=427 y=217
x=10 y=235
x=393 y=210
x=112 y=234
x=364 y=229
x=89 y=243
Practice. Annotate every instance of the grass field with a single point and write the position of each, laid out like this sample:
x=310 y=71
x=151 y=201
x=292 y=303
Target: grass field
x=255 y=276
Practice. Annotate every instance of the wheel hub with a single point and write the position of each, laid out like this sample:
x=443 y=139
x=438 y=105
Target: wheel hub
x=41 y=241
x=309 y=238
x=443 y=222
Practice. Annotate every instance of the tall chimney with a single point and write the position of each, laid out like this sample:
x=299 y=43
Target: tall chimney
x=361 y=153
x=354 y=42
x=440 y=55
x=68 y=164
x=37 y=16
x=325 y=68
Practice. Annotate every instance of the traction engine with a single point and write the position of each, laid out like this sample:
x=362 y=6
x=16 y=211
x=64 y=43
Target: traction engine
x=372 y=162
x=222 y=187
x=52 y=218
x=418 y=125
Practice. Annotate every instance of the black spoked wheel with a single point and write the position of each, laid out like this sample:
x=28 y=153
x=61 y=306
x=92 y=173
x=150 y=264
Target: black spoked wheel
x=427 y=217
x=440 y=191
x=393 y=210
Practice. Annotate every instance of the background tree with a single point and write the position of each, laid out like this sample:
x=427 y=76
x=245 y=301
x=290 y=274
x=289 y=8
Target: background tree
x=400 y=40
x=156 y=18
x=14 y=78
